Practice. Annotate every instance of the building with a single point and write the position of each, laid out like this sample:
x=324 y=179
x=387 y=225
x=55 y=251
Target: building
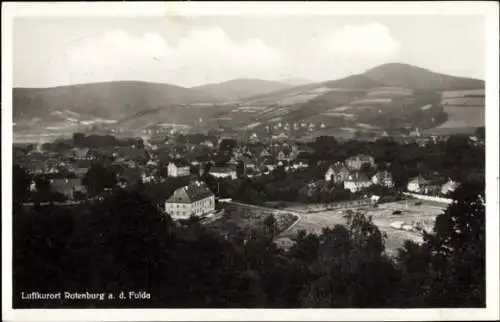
x=223 y=172
x=178 y=168
x=356 y=162
x=449 y=187
x=417 y=184
x=357 y=182
x=82 y=154
x=337 y=173
x=193 y=199
x=383 y=178
x=68 y=187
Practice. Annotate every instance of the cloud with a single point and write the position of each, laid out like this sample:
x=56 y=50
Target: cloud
x=369 y=39
x=348 y=50
x=210 y=55
x=202 y=56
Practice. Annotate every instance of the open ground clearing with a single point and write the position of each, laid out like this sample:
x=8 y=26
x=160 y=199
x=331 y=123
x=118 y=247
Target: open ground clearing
x=382 y=216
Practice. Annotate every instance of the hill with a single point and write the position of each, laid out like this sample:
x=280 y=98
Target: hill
x=241 y=88
x=393 y=97
x=416 y=78
x=106 y=100
x=295 y=81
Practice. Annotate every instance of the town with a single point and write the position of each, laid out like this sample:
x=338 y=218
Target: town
x=195 y=174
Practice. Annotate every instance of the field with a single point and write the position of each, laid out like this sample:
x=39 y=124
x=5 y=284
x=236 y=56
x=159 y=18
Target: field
x=382 y=216
x=242 y=218
x=463 y=117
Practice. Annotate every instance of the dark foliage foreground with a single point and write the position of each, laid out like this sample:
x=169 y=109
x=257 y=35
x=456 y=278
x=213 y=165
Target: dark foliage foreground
x=125 y=243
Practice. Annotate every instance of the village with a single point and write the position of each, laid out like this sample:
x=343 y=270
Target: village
x=201 y=175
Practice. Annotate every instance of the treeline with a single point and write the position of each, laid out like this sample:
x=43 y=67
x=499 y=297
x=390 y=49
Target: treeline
x=127 y=243
x=92 y=141
x=455 y=157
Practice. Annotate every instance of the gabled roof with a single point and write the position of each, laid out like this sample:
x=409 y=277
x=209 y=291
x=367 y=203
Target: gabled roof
x=67 y=185
x=221 y=170
x=180 y=162
x=451 y=185
x=383 y=175
x=190 y=193
x=420 y=180
x=339 y=168
x=358 y=177
x=360 y=157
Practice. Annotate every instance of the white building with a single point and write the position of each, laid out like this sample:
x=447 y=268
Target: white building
x=383 y=178
x=193 y=199
x=337 y=173
x=356 y=162
x=178 y=168
x=222 y=172
x=417 y=184
x=357 y=182
x=449 y=187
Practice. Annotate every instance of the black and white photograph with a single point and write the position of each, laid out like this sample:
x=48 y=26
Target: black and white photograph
x=185 y=156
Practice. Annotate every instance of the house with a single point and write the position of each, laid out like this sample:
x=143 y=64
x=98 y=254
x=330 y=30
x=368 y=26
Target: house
x=415 y=133
x=68 y=187
x=248 y=163
x=82 y=154
x=223 y=172
x=193 y=199
x=417 y=184
x=132 y=154
x=383 y=178
x=337 y=173
x=178 y=168
x=356 y=162
x=449 y=187
x=357 y=182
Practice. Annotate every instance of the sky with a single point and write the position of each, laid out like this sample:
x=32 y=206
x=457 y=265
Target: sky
x=190 y=51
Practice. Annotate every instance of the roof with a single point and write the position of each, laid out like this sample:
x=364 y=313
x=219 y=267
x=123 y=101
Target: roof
x=221 y=170
x=419 y=180
x=67 y=185
x=361 y=157
x=188 y=194
x=451 y=185
x=339 y=168
x=180 y=162
x=359 y=177
x=130 y=152
x=383 y=175
x=81 y=151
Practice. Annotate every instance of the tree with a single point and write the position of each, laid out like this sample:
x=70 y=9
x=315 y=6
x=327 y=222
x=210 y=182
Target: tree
x=98 y=178
x=448 y=270
x=271 y=226
x=480 y=132
x=79 y=140
x=21 y=180
x=227 y=145
x=350 y=269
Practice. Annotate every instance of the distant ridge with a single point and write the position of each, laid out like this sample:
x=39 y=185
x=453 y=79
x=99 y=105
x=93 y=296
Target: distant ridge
x=241 y=88
x=246 y=101
x=408 y=76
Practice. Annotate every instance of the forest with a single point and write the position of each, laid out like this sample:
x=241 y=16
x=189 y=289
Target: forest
x=125 y=242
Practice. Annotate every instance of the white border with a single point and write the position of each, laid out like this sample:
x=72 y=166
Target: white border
x=117 y=9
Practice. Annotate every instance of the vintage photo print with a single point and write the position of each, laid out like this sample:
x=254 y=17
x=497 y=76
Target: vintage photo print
x=250 y=161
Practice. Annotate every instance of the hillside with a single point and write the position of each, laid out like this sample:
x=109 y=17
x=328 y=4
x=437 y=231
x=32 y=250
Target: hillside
x=393 y=97
x=295 y=81
x=416 y=78
x=241 y=88
x=107 y=100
